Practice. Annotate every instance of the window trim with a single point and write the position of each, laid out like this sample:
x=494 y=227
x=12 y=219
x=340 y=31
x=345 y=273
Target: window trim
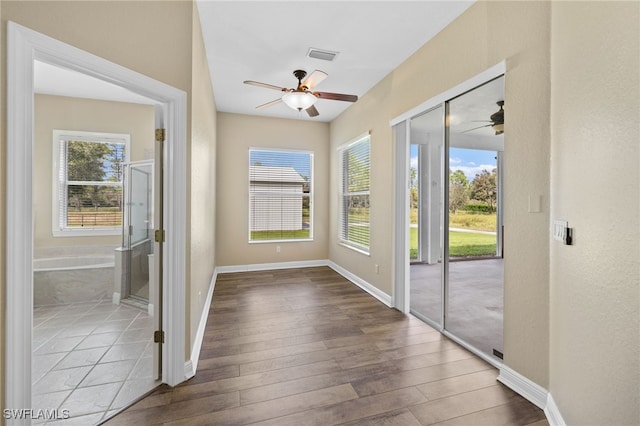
x=57 y=227
x=310 y=195
x=365 y=250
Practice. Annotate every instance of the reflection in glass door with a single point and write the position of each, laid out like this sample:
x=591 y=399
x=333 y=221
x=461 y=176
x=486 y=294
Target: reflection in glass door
x=474 y=284
x=137 y=238
x=455 y=235
x=426 y=215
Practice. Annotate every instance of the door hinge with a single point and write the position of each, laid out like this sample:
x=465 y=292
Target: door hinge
x=159 y=235
x=158 y=336
x=160 y=135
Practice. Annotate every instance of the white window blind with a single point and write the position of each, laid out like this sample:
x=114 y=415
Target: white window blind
x=280 y=195
x=355 y=183
x=88 y=170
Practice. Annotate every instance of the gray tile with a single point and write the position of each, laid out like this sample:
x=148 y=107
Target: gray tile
x=123 y=352
x=143 y=369
x=42 y=364
x=132 y=390
x=98 y=340
x=56 y=344
x=112 y=326
x=77 y=329
x=89 y=419
x=137 y=335
x=49 y=401
x=60 y=380
x=92 y=399
x=82 y=357
x=108 y=373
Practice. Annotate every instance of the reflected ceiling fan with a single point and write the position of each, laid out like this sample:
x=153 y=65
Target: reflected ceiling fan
x=303 y=97
x=496 y=119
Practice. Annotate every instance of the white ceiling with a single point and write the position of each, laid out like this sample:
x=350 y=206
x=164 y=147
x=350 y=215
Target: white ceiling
x=53 y=80
x=266 y=41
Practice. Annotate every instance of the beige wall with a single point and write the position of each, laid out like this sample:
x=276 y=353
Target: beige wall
x=63 y=113
x=236 y=134
x=157 y=39
x=203 y=181
x=595 y=283
x=486 y=34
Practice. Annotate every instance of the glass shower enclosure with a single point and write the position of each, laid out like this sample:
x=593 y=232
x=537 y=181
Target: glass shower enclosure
x=137 y=235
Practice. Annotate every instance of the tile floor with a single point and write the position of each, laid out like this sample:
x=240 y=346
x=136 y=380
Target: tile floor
x=91 y=359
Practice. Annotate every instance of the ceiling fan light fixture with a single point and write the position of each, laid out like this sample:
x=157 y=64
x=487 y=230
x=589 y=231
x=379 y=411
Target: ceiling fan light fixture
x=499 y=128
x=299 y=100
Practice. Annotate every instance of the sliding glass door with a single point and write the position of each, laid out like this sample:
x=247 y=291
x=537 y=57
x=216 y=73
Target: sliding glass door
x=456 y=270
x=426 y=215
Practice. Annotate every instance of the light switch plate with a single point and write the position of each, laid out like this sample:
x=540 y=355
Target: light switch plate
x=560 y=230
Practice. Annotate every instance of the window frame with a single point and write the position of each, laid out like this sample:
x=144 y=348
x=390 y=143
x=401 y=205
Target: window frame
x=310 y=195
x=342 y=193
x=60 y=182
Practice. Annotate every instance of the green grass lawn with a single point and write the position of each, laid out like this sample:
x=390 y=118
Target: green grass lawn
x=279 y=235
x=461 y=244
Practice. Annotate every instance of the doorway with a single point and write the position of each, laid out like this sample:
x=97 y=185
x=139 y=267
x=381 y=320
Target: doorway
x=454 y=215
x=25 y=47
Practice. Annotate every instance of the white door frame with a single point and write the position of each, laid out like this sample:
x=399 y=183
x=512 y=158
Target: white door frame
x=401 y=125
x=25 y=46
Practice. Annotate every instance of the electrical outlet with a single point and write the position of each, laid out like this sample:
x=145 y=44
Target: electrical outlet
x=377 y=268
x=277 y=249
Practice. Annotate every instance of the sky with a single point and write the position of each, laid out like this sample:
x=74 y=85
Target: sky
x=470 y=161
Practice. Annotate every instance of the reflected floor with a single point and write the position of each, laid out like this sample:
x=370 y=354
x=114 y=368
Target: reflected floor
x=91 y=359
x=475 y=299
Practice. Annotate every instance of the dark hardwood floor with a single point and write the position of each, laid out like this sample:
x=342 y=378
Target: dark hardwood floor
x=307 y=347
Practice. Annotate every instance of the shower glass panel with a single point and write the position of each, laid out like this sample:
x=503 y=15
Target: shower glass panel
x=474 y=283
x=426 y=215
x=139 y=228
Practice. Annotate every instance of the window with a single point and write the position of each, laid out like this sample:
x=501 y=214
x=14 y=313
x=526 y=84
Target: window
x=355 y=184
x=280 y=195
x=87 y=182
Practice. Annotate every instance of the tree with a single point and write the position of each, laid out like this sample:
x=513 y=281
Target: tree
x=458 y=190
x=414 y=188
x=484 y=188
x=85 y=162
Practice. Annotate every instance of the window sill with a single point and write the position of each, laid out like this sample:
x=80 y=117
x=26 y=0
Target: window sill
x=356 y=249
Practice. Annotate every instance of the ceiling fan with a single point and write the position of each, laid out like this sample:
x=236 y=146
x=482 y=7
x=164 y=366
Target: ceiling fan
x=302 y=97
x=496 y=119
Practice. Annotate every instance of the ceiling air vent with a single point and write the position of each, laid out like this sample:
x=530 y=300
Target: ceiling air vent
x=325 y=55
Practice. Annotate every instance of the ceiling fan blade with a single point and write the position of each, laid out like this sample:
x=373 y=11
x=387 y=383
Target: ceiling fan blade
x=268 y=104
x=336 y=96
x=476 y=128
x=312 y=111
x=265 y=85
x=314 y=79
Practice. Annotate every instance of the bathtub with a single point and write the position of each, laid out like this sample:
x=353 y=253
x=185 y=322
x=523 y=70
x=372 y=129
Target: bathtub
x=62 y=280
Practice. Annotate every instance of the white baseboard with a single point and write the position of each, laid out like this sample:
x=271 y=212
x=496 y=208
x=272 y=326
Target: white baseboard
x=553 y=412
x=191 y=365
x=369 y=288
x=271 y=266
x=523 y=386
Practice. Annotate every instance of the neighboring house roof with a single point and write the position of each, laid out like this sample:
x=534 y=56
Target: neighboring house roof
x=274 y=174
